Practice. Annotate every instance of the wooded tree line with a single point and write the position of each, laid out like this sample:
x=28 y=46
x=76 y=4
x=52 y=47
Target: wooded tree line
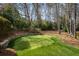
x=46 y=16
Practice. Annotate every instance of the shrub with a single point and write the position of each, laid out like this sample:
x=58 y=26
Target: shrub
x=77 y=27
x=21 y=24
x=65 y=29
x=35 y=30
x=45 y=25
x=50 y=26
x=5 y=25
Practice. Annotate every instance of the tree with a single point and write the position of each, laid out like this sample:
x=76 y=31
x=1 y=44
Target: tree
x=58 y=20
x=75 y=9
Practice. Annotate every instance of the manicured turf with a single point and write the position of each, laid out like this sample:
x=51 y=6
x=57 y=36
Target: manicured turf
x=42 y=45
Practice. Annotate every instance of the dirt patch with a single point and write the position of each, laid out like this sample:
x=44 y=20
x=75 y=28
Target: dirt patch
x=65 y=37
x=13 y=33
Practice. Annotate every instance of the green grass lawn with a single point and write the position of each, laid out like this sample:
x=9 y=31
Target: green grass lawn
x=42 y=45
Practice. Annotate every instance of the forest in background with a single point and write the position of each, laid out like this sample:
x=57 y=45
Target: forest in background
x=39 y=16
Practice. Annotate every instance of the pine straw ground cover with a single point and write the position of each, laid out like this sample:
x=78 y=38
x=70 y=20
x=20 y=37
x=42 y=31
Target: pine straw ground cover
x=42 y=45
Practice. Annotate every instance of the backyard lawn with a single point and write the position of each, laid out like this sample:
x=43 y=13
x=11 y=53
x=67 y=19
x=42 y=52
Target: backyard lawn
x=37 y=29
x=42 y=45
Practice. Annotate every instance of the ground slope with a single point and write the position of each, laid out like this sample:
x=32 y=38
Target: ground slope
x=42 y=45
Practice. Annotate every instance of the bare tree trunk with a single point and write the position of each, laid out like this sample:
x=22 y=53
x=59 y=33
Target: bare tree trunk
x=67 y=17
x=58 y=20
x=70 y=27
x=27 y=12
x=75 y=20
x=38 y=13
x=70 y=20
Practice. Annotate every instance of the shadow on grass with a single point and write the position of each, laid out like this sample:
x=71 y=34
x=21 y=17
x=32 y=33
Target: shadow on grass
x=22 y=45
x=19 y=44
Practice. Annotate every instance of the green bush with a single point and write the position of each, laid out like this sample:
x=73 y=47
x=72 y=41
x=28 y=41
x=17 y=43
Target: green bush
x=34 y=25
x=35 y=30
x=50 y=26
x=45 y=25
x=21 y=24
x=5 y=25
x=65 y=29
x=77 y=27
